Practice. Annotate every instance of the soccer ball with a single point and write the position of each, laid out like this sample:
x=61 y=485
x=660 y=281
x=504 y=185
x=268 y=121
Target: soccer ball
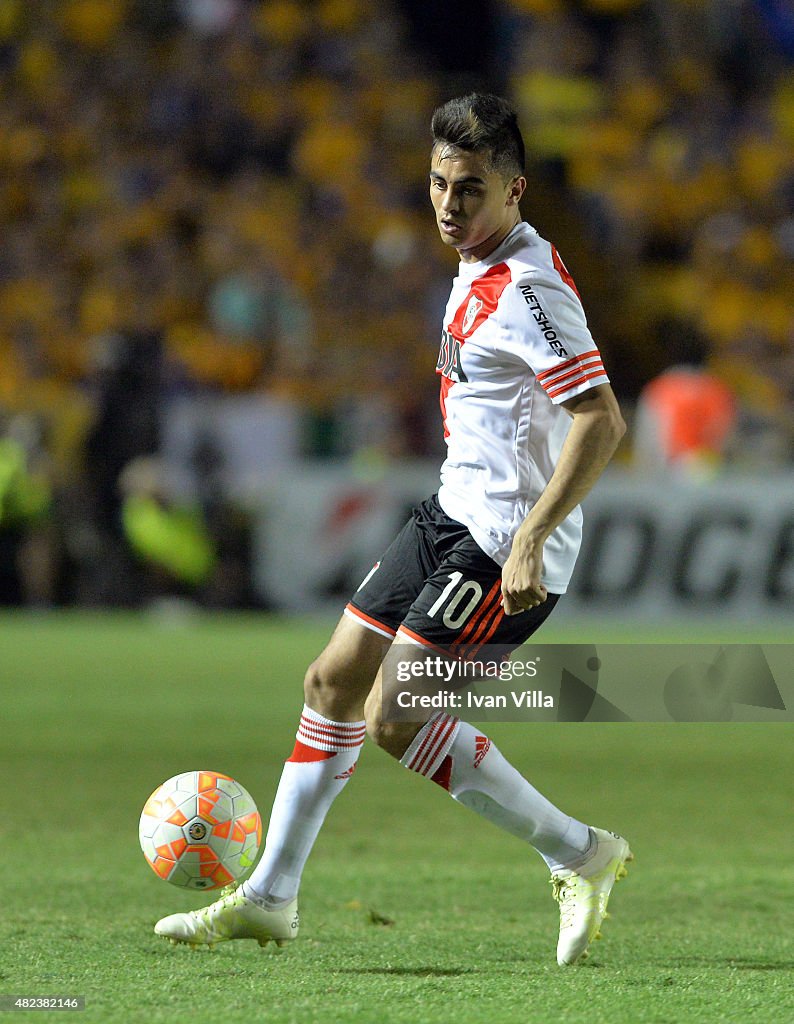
x=200 y=830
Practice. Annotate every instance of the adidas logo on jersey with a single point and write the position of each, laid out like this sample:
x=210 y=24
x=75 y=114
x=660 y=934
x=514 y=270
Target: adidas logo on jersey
x=481 y=747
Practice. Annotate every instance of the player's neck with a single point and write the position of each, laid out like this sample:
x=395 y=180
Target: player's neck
x=491 y=244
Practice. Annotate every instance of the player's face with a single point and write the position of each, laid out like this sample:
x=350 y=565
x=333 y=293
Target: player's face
x=475 y=207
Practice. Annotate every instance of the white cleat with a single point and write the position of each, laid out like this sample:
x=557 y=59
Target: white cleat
x=583 y=895
x=232 y=916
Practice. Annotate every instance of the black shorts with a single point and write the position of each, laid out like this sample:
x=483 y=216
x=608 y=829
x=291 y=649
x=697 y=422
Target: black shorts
x=436 y=585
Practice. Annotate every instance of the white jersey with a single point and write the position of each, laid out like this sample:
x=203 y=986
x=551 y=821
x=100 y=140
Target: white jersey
x=515 y=345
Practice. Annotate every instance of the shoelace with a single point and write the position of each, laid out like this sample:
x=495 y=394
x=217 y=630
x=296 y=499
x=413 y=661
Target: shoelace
x=562 y=891
x=227 y=894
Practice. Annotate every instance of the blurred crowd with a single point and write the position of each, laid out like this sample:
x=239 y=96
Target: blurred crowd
x=229 y=197
x=671 y=127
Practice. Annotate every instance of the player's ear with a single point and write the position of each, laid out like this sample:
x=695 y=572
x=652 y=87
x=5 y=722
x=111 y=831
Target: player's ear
x=516 y=190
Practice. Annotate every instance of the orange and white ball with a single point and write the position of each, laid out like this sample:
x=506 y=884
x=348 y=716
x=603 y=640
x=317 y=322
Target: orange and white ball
x=200 y=830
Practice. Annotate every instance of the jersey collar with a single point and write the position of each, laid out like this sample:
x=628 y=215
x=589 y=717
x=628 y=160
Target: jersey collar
x=521 y=231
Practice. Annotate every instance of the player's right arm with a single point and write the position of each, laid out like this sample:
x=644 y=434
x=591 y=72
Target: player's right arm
x=552 y=337
x=592 y=440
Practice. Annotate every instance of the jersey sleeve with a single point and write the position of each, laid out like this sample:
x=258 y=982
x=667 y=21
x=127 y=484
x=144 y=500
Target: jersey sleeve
x=552 y=337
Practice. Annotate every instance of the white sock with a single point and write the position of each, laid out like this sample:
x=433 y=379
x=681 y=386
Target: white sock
x=320 y=765
x=466 y=763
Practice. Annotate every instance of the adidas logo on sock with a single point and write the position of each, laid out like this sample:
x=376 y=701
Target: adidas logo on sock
x=348 y=773
x=481 y=747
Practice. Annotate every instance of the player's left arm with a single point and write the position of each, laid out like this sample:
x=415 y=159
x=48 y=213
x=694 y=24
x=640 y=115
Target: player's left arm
x=592 y=440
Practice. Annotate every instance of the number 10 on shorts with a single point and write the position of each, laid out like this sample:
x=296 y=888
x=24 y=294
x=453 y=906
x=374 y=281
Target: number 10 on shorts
x=460 y=598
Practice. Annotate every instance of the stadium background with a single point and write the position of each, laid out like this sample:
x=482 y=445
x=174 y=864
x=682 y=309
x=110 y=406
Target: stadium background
x=220 y=292
x=219 y=262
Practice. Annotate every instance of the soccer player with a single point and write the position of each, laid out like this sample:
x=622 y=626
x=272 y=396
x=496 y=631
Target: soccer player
x=530 y=422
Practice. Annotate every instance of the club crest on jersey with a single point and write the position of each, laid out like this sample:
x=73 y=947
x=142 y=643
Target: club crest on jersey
x=449 y=358
x=473 y=308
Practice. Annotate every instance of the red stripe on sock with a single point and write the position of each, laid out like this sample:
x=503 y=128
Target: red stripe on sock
x=443 y=774
x=302 y=753
x=310 y=735
x=445 y=728
x=336 y=742
x=418 y=757
x=342 y=729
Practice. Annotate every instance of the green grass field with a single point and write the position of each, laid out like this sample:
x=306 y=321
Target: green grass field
x=96 y=712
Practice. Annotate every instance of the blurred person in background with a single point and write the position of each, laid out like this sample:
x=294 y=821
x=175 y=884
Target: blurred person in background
x=168 y=537
x=28 y=545
x=127 y=399
x=684 y=421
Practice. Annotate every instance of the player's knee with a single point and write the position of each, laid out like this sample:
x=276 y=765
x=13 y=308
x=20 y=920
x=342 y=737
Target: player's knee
x=372 y=716
x=386 y=734
x=393 y=737
x=322 y=687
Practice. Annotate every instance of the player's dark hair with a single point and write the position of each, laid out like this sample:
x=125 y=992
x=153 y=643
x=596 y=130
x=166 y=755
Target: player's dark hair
x=482 y=122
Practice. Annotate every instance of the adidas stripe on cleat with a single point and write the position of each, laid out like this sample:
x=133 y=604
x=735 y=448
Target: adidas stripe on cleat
x=583 y=895
x=232 y=916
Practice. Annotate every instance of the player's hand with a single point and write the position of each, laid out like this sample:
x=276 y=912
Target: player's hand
x=521 y=586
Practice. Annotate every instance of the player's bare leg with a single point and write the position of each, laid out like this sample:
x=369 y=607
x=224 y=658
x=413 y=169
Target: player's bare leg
x=584 y=862
x=329 y=739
